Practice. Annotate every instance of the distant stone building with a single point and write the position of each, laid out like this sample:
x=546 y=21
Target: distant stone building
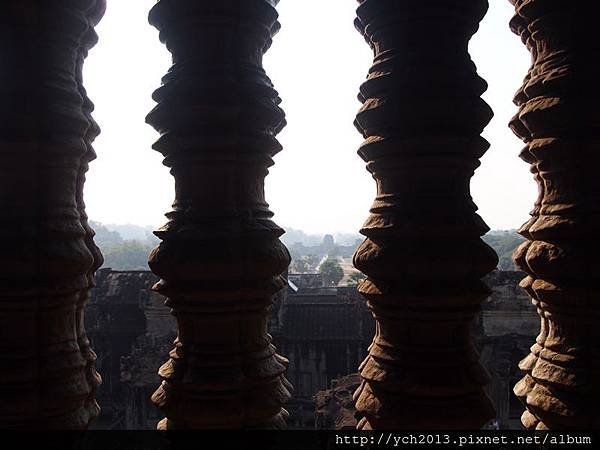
x=127 y=322
x=324 y=332
x=503 y=332
x=305 y=280
x=325 y=335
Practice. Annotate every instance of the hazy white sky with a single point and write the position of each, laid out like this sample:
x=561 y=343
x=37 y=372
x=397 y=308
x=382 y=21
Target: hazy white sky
x=317 y=62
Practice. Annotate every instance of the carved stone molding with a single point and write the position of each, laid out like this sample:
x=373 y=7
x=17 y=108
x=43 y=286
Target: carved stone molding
x=558 y=121
x=220 y=259
x=422 y=117
x=47 y=376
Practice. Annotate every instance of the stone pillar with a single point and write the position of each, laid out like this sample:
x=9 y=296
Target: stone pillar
x=422 y=117
x=220 y=259
x=558 y=120
x=94 y=14
x=47 y=376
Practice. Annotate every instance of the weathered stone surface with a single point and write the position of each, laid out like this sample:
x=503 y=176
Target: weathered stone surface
x=47 y=259
x=421 y=118
x=506 y=310
x=47 y=376
x=220 y=259
x=501 y=332
x=558 y=120
x=324 y=333
x=89 y=39
x=121 y=314
x=335 y=407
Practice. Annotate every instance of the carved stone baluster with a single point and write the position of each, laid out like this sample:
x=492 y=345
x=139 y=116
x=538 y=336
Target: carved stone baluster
x=422 y=117
x=44 y=259
x=519 y=26
x=558 y=120
x=94 y=14
x=220 y=259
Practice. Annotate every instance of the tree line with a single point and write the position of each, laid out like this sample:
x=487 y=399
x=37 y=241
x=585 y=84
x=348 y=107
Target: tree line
x=131 y=252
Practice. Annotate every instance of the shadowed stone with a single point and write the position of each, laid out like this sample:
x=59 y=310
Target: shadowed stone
x=220 y=260
x=558 y=121
x=48 y=258
x=422 y=117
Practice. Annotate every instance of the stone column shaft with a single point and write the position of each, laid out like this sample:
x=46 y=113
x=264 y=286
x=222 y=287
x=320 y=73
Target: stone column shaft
x=422 y=117
x=220 y=259
x=94 y=14
x=47 y=376
x=558 y=121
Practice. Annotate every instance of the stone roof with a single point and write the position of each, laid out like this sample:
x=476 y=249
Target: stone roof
x=325 y=314
x=122 y=286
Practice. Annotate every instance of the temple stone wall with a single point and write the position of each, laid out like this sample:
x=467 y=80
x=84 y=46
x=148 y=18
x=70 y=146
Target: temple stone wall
x=324 y=332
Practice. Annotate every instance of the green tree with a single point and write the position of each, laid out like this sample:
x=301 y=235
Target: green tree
x=312 y=261
x=130 y=255
x=504 y=244
x=300 y=265
x=105 y=238
x=355 y=278
x=332 y=272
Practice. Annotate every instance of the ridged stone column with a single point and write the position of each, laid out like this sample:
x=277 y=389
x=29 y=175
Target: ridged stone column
x=559 y=122
x=220 y=259
x=90 y=39
x=422 y=117
x=47 y=375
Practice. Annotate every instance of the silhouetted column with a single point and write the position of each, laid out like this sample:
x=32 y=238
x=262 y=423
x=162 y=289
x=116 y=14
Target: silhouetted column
x=220 y=259
x=422 y=116
x=47 y=376
x=89 y=40
x=559 y=122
